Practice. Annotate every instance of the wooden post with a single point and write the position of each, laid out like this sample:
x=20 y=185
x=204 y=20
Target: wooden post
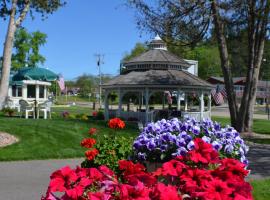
x=119 y=102
x=146 y=104
x=186 y=102
x=178 y=100
x=201 y=105
x=106 y=106
x=209 y=104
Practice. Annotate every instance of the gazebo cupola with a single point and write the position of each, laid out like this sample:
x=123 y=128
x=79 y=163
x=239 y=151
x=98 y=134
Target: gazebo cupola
x=158 y=43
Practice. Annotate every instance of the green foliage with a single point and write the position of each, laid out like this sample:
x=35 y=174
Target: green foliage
x=137 y=50
x=9 y=111
x=27 y=47
x=111 y=149
x=100 y=115
x=261 y=189
x=85 y=83
x=206 y=54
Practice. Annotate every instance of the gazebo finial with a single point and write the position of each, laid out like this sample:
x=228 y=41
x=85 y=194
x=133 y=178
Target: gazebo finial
x=158 y=43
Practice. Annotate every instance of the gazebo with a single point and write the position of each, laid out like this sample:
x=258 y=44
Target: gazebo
x=157 y=70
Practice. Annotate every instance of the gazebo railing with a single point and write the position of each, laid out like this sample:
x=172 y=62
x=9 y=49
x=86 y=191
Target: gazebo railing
x=197 y=115
x=131 y=115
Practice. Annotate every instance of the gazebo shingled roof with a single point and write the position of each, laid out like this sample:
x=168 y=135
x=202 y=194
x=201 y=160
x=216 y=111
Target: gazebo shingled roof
x=156 y=78
x=158 y=56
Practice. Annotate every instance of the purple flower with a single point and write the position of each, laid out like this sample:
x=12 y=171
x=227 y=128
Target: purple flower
x=191 y=145
x=229 y=148
x=163 y=147
x=142 y=156
x=151 y=145
x=196 y=130
x=217 y=146
x=206 y=139
x=181 y=151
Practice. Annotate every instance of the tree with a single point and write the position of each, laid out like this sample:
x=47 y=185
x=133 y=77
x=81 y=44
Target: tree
x=186 y=22
x=85 y=83
x=15 y=11
x=26 y=47
x=137 y=50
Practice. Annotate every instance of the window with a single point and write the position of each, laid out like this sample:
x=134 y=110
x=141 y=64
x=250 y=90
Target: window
x=16 y=91
x=41 y=91
x=31 y=91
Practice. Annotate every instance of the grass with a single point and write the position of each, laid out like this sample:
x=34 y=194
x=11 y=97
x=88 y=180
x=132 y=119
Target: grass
x=260 y=126
x=261 y=189
x=44 y=139
x=72 y=110
x=259 y=141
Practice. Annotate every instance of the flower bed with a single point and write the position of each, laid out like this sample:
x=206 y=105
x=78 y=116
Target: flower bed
x=205 y=170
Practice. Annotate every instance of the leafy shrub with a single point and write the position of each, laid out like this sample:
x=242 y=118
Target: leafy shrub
x=111 y=149
x=100 y=115
x=9 y=111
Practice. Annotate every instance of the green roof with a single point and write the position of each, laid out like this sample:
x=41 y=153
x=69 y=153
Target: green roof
x=34 y=73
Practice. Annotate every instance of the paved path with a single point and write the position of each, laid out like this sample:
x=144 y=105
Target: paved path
x=27 y=180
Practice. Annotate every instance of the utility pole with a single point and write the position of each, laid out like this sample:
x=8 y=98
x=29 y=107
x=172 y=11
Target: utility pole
x=100 y=61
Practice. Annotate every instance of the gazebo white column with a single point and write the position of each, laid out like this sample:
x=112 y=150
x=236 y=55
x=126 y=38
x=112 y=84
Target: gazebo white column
x=146 y=103
x=209 y=104
x=37 y=92
x=186 y=102
x=201 y=105
x=24 y=91
x=106 y=105
x=119 y=102
x=178 y=100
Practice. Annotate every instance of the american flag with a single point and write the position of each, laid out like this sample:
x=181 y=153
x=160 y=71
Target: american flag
x=224 y=93
x=169 y=97
x=61 y=82
x=217 y=95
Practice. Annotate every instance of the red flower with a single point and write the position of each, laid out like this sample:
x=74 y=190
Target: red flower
x=94 y=113
x=231 y=169
x=91 y=154
x=62 y=179
x=92 y=131
x=195 y=179
x=171 y=168
x=203 y=152
x=217 y=190
x=88 y=142
x=163 y=192
x=130 y=168
x=134 y=192
x=116 y=123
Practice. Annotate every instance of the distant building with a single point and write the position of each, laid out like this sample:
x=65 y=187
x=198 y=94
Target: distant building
x=263 y=88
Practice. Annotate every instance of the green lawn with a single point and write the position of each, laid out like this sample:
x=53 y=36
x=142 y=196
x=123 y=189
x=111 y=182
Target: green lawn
x=260 y=126
x=261 y=189
x=56 y=138
x=72 y=110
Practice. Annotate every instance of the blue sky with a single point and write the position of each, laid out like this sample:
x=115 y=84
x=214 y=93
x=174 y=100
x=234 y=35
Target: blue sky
x=81 y=29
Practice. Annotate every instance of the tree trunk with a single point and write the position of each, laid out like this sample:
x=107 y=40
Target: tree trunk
x=225 y=65
x=7 y=53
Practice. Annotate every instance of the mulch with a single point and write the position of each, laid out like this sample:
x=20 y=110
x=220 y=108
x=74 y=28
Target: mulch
x=7 y=139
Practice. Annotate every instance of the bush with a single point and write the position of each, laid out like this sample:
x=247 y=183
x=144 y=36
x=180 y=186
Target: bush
x=9 y=111
x=100 y=115
x=111 y=149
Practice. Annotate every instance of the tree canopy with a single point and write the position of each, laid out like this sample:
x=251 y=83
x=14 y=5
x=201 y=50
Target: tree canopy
x=26 y=49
